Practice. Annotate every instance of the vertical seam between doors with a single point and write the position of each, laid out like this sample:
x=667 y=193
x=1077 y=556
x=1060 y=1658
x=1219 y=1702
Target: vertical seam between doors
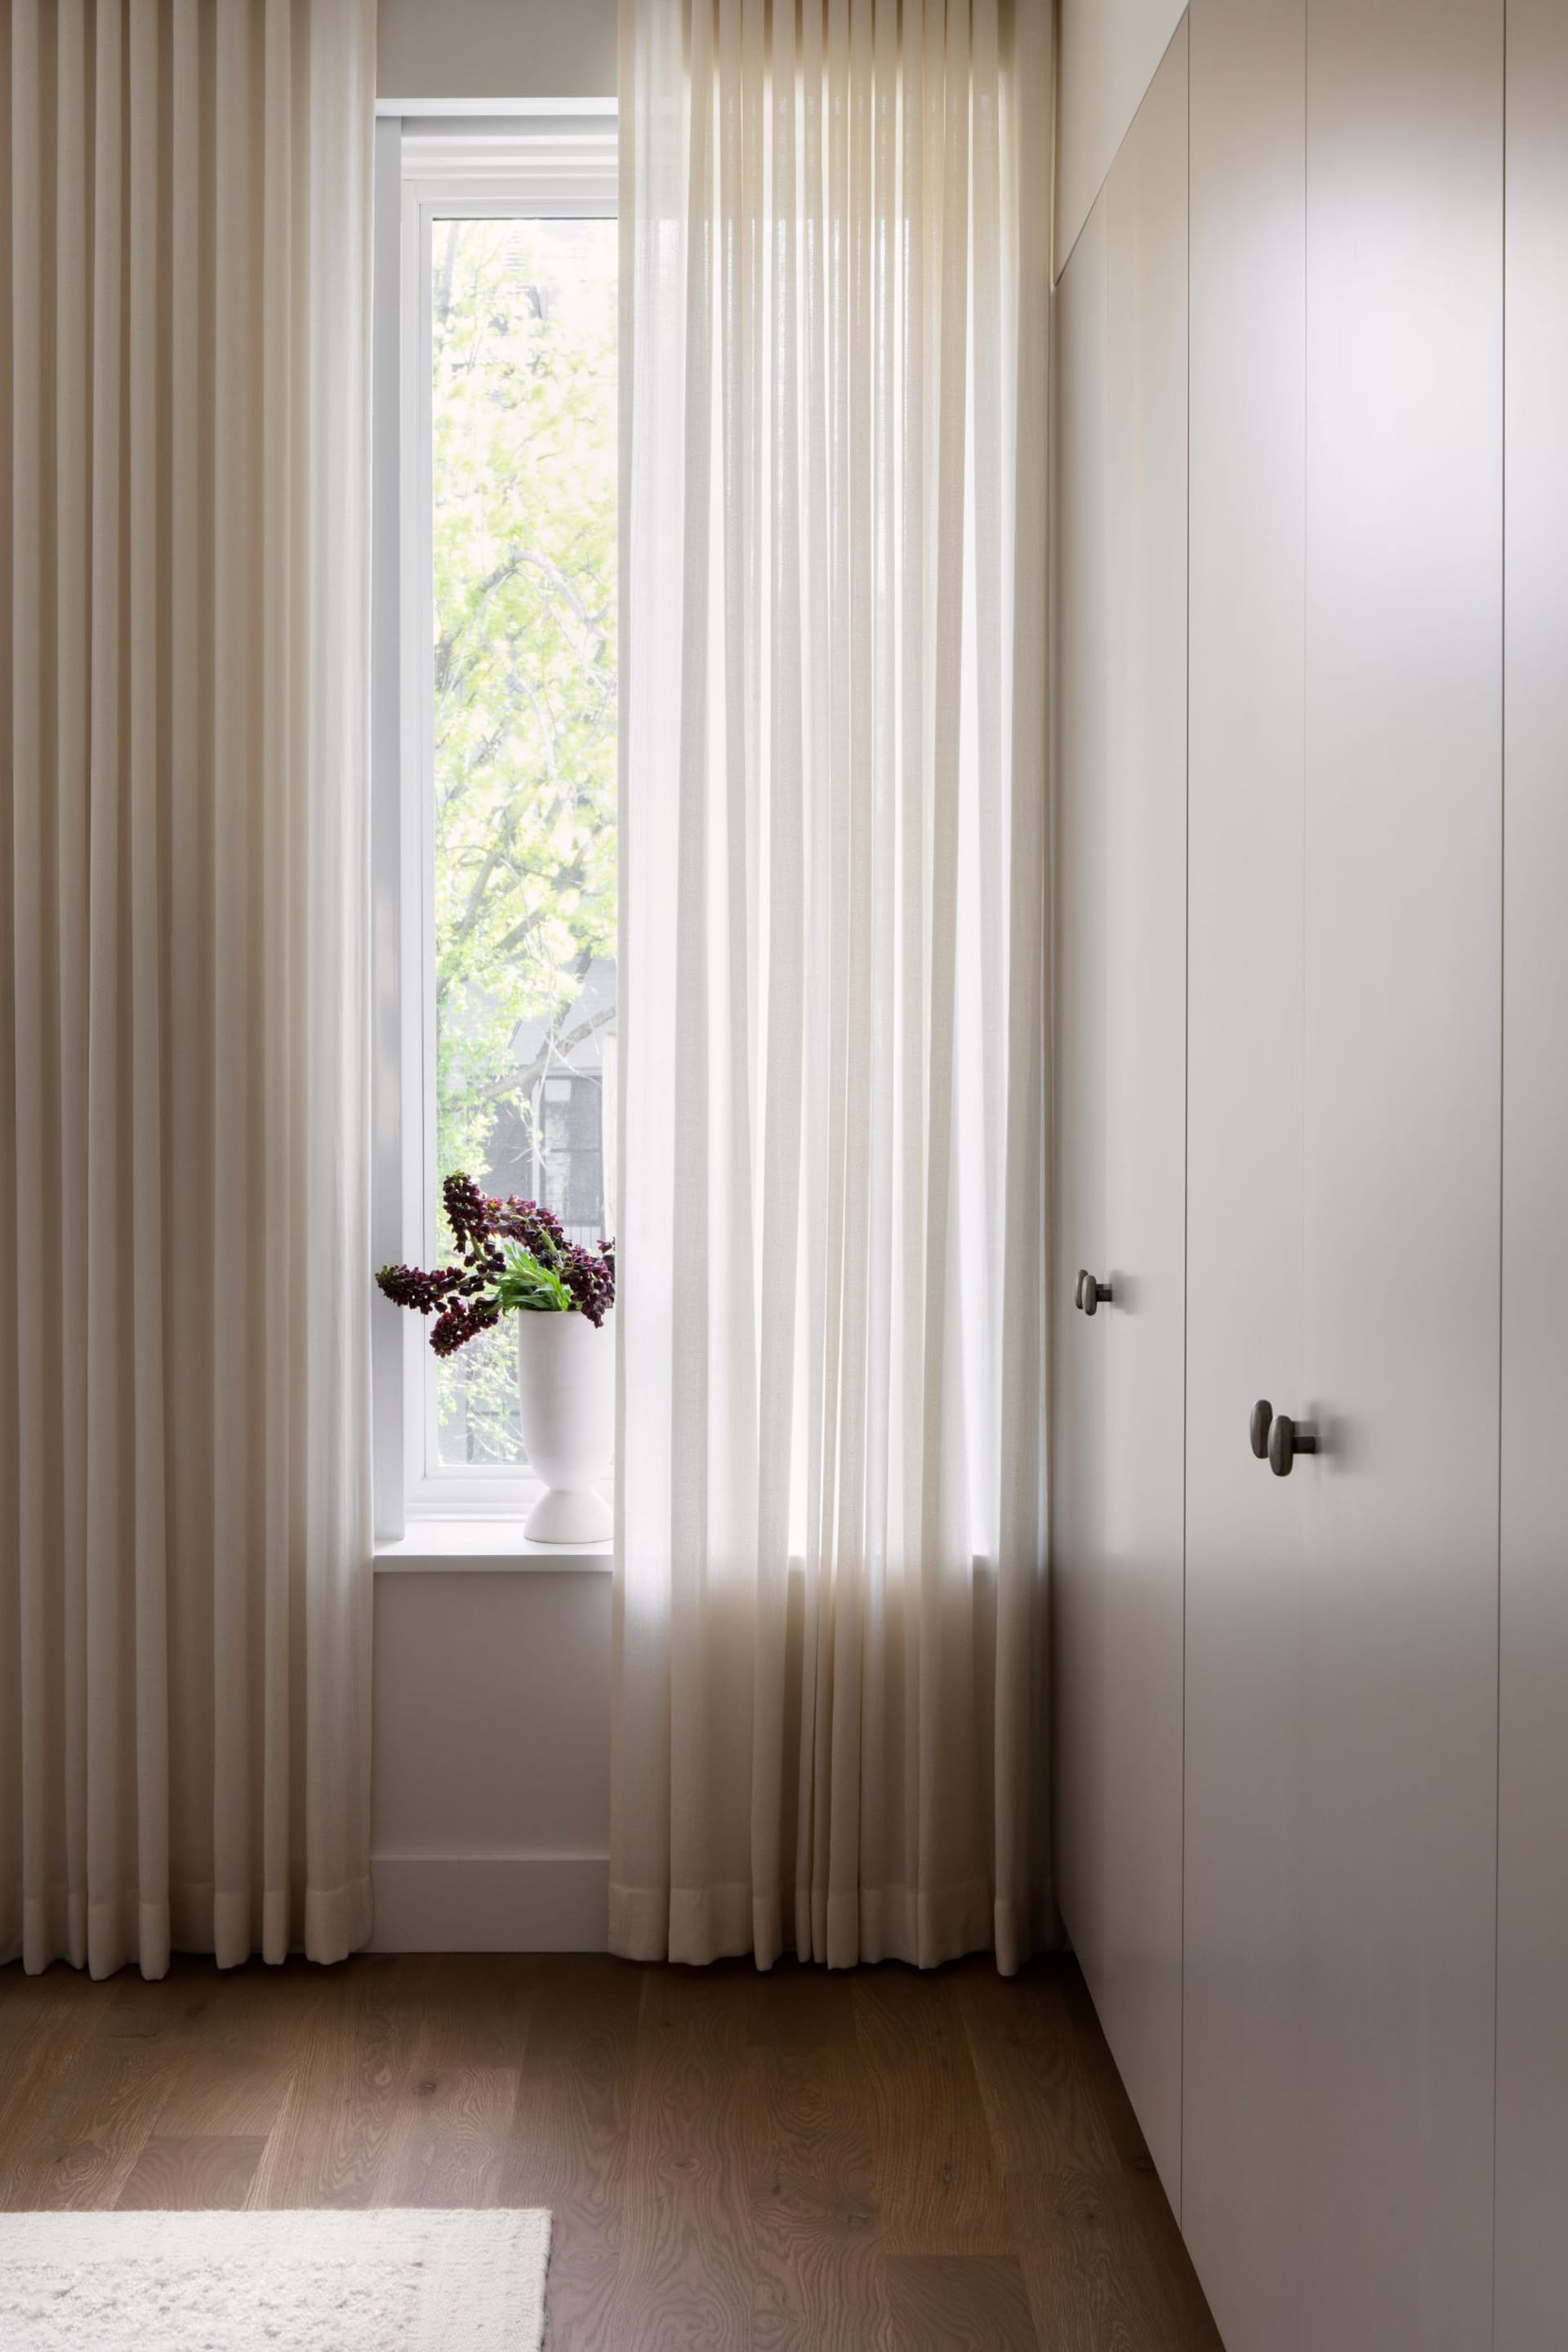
x=1186 y=1120
x=1302 y=1511
x=1503 y=1106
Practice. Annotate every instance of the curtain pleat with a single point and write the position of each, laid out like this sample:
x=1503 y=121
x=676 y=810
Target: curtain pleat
x=183 y=1438
x=829 y=1613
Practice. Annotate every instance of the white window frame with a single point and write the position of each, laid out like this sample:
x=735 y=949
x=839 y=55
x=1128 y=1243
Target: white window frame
x=554 y=167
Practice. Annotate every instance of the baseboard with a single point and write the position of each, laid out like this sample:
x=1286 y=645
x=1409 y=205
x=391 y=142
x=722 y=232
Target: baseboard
x=490 y=1902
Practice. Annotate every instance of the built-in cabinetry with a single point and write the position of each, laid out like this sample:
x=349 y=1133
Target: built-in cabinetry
x=1402 y=857
x=1320 y=1721
x=1532 y=1753
x=1122 y=933
x=1244 y=1722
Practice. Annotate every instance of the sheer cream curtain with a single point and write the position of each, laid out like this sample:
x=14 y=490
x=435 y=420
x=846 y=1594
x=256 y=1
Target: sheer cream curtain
x=829 y=1604
x=183 y=1250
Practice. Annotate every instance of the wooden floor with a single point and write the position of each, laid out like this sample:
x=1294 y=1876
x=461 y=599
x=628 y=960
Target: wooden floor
x=875 y=2159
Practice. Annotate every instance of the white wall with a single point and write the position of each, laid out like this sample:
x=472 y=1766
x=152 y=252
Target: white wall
x=1109 y=53
x=489 y=49
x=491 y=1776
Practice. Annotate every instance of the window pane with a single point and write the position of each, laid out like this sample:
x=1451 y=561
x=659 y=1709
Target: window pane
x=523 y=417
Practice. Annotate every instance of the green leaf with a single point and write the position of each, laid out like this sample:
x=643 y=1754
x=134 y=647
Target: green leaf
x=527 y=1286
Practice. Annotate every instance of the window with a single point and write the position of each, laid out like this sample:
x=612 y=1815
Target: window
x=506 y=737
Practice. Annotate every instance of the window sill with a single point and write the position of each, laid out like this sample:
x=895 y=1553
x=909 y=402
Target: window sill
x=437 y=1546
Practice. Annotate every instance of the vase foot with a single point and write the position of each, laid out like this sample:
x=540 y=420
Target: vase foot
x=573 y=1515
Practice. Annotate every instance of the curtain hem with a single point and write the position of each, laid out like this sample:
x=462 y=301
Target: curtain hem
x=104 y=1937
x=920 y=1926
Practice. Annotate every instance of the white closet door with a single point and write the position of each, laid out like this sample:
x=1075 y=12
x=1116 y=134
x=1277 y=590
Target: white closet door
x=1241 y=2090
x=1402 y=849
x=1122 y=1009
x=1077 y=1383
x=1532 y=1863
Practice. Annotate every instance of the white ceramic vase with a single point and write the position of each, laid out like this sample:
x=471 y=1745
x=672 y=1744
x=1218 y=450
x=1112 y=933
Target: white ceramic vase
x=567 y=1394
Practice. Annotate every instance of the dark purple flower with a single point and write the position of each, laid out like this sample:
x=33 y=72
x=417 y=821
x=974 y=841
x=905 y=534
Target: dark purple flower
x=463 y=1298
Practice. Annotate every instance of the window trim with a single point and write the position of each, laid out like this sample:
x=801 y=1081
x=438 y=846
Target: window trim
x=553 y=166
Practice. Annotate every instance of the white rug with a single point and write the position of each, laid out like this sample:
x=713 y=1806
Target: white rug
x=380 y=2282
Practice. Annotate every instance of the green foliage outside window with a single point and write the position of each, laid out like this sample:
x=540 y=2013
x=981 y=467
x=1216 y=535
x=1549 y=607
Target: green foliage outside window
x=524 y=463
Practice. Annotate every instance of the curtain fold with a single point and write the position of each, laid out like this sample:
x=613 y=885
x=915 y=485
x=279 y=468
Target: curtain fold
x=829 y=1615
x=185 y=1525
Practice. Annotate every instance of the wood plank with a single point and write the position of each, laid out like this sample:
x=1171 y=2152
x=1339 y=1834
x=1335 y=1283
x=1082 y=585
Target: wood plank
x=43 y=2026
x=1102 y=2256
x=960 y=2302
x=449 y=2137
x=206 y=2172
x=687 y=2247
x=821 y=2280
x=803 y=2009
x=86 y=2141
x=711 y=2142
x=467 y=2029
x=338 y=2117
x=567 y=2146
x=236 y=2035
x=580 y=2301
x=468 y=2009
x=1104 y=2264
x=1042 y=2069
x=937 y=2187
